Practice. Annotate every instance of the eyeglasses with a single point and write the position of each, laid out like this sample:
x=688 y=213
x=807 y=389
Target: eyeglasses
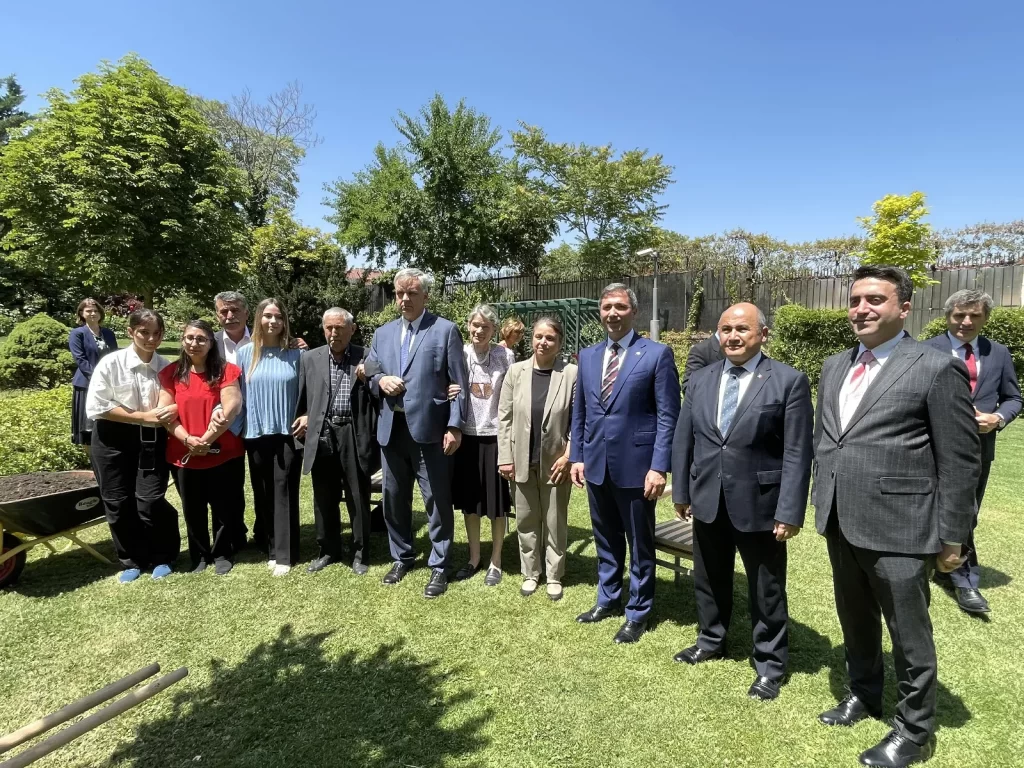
x=202 y=341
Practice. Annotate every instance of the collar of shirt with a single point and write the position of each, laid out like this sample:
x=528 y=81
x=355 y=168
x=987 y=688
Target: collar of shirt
x=883 y=350
x=624 y=342
x=228 y=340
x=750 y=365
x=133 y=361
x=957 y=344
x=345 y=356
x=414 y=323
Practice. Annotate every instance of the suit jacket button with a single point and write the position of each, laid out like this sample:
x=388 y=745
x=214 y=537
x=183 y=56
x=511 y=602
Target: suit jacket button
x=833 y=473
x=719 y=474
x=839 y=445
x=723 y=447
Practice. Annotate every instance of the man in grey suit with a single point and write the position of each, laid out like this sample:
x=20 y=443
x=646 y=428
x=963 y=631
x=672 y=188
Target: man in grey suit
x=996 y=396
x=701 y=355
x=337 y=416
x=897 y=460
x=413 y=360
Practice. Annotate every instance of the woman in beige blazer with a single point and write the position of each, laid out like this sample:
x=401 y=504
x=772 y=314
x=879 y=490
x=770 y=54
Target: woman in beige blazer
x=534 y=415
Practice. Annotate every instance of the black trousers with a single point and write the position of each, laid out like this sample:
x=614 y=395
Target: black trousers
x=870 y=585
x=275 y=465
x=143 y=524
x=764 y=559
x=969 y=573
x=333 y=472
x=217 y=494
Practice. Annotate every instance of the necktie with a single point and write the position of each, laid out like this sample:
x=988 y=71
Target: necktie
x=856 y=386
x=972 y=366
x=610 y=374
x=406 y=345
x=731 y=399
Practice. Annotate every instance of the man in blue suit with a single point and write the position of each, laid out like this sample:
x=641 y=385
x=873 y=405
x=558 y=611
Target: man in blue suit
x=624 y=415
x=741 y=466
x=412 y=361
x=997 y=401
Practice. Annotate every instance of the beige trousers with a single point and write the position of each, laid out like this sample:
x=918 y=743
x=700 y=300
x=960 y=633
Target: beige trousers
x=542 y=512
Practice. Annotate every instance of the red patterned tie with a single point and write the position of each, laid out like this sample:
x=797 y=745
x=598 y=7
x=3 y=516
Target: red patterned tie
x=972 y=366
x=609 y=377
x=862 y=368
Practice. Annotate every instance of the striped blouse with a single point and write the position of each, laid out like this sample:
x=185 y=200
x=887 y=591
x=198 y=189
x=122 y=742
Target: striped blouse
x=271 y=391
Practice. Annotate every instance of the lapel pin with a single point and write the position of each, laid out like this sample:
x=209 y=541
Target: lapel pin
x=638 y=353
x=759 y=375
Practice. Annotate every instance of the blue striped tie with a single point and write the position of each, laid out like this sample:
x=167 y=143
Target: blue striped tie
x=406 y=344
x=731 y=399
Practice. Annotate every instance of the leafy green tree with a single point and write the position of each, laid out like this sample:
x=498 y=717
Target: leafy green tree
x=11 y=115
x=445 y=200
x=897 y=235
x=123 y=186
x=609 y=202
x=267 y=142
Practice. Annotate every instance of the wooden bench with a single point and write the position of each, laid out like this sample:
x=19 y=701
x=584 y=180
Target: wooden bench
x=675 y=538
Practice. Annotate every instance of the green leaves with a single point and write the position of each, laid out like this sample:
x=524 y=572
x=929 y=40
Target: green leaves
x=37 y=433
x=36 y=354
x=897 y=236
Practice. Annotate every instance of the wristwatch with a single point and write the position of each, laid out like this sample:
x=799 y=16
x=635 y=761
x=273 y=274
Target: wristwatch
x=1002 y=421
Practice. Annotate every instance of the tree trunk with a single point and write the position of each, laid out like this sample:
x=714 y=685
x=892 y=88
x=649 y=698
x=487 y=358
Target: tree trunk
x=147 y=297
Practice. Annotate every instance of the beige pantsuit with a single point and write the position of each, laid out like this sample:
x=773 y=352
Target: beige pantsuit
x=541 y=508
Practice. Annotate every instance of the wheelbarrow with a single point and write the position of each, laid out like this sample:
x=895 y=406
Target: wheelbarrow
x=28 y=523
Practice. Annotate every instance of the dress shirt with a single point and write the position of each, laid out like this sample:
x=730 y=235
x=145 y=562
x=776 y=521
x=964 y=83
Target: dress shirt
x=341 y=383
x=881 y=353
x=959 y=351
x=744 y=382
x=623 y=343
x=415 y=330
x=123 y=379
x=228 y=348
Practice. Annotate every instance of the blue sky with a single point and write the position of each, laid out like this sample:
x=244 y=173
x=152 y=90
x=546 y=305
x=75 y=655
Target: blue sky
x=788 y=117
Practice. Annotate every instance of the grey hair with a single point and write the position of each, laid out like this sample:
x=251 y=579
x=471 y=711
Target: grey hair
x=345 y=315
x=621 y=288
x=486 y=311
x=231 y=297
x=966 y=298
x=762 y=321
x=409 y=273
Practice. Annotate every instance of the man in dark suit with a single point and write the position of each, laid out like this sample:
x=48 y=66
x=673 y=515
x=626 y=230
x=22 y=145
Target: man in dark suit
x=336 y=416
x=741 y=466
x=701 y=355
x=897 y=460
x=414 y=359
x=624 y=415
x=997 y=401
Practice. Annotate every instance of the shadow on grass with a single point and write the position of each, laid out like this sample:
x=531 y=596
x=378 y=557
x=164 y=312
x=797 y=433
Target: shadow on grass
x=991 y=578
x=287 y=703
x=61 y=572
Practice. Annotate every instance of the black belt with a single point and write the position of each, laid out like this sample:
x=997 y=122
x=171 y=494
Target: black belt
x=338 y=421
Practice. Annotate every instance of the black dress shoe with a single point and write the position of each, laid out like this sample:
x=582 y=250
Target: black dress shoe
x=897 y=751
x=598 y=613
x=630 y=632
x=396 y=574
x=467 y=571
x=200 y=567
x=320 y=563
x=437 y=585
x=764 y=689
x=971 y=600
x=849 y=711
x=360 y=569
x=697 y=655
x=222 y=566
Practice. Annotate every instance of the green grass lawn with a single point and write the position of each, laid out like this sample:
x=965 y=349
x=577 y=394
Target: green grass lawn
x=336 y=670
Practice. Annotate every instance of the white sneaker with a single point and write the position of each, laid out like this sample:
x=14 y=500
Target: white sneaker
x=281 y=570
x=271 y=564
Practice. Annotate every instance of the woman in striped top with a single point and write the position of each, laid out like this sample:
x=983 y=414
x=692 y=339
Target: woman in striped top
x=271 y=386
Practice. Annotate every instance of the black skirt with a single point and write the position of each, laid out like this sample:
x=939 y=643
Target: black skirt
x=81 y=426
x=477 y=488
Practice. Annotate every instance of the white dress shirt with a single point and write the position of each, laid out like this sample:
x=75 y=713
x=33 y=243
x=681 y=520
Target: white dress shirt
x=849 y=399
x=623 y=343
x=123 y=379
x=415 y=331
x=745 y=380
x=228 y=348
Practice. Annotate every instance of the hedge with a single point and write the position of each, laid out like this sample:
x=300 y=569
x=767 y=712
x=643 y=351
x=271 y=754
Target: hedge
x=804 y=338
x=1005 y=325
x=36 y=354
x=37 y=433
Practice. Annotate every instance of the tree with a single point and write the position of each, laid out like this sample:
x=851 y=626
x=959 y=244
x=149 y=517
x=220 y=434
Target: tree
x=445 y=199
x=267 y=141
x=836 y=255
x=897 y=236
x=765 y=259
x=122 y=186
x=304 y=268
x=985 y=244
x=11 y=117
x=609 y=203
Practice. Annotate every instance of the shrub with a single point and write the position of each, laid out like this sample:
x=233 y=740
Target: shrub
x=37 y=433
x=36 y=354
x=804 y=338
x=181 y=307
x=1005 y=325
x=368 y=322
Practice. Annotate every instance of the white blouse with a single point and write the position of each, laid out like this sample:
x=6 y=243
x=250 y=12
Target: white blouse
x=485 y=379
x=123 y=379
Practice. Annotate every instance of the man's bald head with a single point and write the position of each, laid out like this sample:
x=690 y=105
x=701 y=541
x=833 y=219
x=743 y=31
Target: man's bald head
x=742 y=330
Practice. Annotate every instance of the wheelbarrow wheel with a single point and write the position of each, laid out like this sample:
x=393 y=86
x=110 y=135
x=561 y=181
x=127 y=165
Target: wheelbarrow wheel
x=11 y=569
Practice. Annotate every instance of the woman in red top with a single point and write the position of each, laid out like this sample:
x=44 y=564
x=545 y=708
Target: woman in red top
x=206 y=460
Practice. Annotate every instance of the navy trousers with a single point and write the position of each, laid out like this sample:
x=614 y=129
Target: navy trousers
x=969 y=573
x=622 y=516
x=404 y=461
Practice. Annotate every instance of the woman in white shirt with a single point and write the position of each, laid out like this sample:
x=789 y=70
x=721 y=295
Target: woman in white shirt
x=129 y=446
x=478 y=490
